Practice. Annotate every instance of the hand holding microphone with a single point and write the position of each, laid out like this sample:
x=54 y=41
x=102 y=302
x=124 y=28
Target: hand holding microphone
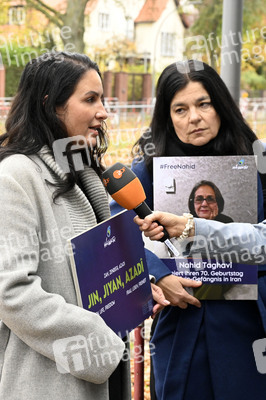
x=126 y=189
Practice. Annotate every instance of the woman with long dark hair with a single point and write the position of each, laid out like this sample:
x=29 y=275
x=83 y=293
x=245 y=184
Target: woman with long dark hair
x=50 y=347
x=51 y=190
x=201 y=350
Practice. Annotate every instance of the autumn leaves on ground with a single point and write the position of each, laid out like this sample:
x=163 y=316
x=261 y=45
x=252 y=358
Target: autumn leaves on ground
x=145 y=333
x=146 y=378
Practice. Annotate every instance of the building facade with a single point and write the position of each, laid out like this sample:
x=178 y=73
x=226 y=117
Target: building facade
x=147 y=32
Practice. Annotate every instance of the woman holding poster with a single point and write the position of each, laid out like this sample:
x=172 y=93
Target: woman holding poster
x=50 y=347
x=203 y=350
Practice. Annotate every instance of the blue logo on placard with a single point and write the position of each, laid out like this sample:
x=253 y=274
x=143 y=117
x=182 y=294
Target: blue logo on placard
x=109 y=239
x=240 y=165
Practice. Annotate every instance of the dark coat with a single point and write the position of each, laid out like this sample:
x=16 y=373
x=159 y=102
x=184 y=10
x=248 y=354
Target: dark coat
x=206 y=353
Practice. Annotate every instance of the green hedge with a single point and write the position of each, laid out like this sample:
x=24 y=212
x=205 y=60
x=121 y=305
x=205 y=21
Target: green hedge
x=14 y=59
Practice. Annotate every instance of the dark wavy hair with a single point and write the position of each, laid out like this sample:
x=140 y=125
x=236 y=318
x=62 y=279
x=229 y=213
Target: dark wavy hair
x=218 y=196
x=46 y=83
x=234 y=136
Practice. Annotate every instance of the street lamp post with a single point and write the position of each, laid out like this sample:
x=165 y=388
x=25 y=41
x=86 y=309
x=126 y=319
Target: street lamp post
x=231 y=46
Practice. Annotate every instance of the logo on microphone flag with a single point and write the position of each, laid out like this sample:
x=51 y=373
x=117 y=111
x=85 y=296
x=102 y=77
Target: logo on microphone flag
x=117 y=174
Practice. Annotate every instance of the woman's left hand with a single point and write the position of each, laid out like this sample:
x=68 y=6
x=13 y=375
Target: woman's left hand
x=158 y=296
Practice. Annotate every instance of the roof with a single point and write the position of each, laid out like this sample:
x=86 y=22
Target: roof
x=151 y=10
x=90 y=6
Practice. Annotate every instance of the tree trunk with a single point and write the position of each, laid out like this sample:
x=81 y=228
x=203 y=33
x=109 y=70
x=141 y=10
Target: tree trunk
x=73 y=31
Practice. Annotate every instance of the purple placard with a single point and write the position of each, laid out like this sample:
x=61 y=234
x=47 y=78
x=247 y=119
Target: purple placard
x=112 y=273
x=220 y=280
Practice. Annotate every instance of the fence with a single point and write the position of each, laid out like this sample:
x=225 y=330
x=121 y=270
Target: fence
x=127 y=121
x=138 y=114
x=119 y=112
x=254 y=111
x=4 y=107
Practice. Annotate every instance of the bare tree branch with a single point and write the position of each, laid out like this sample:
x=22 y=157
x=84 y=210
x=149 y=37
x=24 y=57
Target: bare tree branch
x=53 y=15
x=72 y=17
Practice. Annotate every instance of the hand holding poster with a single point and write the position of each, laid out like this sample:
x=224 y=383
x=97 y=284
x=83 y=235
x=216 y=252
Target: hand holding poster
x=110 y=272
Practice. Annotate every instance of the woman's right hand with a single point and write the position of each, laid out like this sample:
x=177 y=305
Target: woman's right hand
x=173 y=289
x=174 y=225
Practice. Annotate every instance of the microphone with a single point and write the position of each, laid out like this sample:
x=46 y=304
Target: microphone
x=126 y=189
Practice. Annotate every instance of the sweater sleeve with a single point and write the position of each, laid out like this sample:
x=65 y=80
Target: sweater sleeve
x=239 y=242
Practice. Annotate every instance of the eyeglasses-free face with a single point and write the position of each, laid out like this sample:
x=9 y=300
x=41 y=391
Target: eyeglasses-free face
x=205 y=203
x=84 y=111
x=194 y=118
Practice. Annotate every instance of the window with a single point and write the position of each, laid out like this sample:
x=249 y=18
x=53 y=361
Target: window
x=16 y=15
x=129 y=28
x=104 y=22
x=168 y=44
